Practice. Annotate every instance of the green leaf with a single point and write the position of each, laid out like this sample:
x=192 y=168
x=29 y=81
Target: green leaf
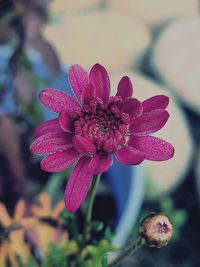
x=30 y=263
x=108 y=234
x=166 y=204
x=151 y=191
x=96 y=225
x=34 y=112
x=55 y=182
x=94 y=254
x=180 y=217
x=105 y=260
x=54 y=257
x=69 y=248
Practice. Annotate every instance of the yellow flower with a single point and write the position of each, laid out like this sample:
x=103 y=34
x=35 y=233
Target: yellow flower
x=13 y=244
x=44 y=233
x=45 y=207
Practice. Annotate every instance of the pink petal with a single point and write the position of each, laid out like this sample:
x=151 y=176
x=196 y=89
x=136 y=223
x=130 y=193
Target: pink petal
x=153 y=148
x=79 y=79
x=58 y=101
x=66 y=122
x=83 y=145
x=100 y=163
x=50 y=126
x=88 y=94
x=78 y=185
x=129 y=156
x=100 y=80
x=155 y=102
x=133 y=107
x=60 y=161
x=125 y=88
x=149 y=122
x=51 y=143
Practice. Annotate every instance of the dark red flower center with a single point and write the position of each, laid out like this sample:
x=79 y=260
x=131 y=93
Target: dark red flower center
x=163 y=228
x=106 y=127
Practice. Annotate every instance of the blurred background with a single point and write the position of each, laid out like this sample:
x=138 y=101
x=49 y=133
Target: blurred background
x=157 y=44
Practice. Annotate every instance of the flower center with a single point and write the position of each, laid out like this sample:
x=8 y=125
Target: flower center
x=162 y=228
x=106 y=128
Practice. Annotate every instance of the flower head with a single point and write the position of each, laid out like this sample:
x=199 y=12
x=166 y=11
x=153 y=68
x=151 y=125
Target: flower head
x=12 y=244
x=43 y=232
x=95 y=125
x=45 y=210
x=156 y=229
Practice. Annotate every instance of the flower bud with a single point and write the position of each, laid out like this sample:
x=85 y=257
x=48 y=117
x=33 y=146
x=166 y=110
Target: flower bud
x=156 y=229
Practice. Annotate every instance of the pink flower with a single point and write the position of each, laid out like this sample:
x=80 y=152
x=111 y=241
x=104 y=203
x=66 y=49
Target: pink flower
x=90 y=128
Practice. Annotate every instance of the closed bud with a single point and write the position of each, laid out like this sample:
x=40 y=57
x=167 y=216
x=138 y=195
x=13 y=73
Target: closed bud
x=156 y=229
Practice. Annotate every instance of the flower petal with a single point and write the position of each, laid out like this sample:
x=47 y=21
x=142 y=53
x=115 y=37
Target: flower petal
x=58 y=209
x=83 y=145
x=19 y=210
x=100 y=80
x=88 y=94
x=51 y=143
x=129 y=156
x=60 y=161
x=153 y=148
x=79 y=79
x=50 y=126
x=149 y=122
x=125 y=88
x=100 y=163
x=5 y=218
x=66 y=122
x=155 y=102
x=58 y=101
x=133 y=107
x=78 y=185
x=45 y=201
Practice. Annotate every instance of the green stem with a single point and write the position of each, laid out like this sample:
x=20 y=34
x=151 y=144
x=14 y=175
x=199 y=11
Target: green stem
x=91 y=197
x=131 y=249
x=74 y=230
